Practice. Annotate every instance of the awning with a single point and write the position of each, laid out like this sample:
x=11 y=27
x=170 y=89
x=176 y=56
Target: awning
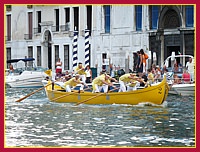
x=17 y=60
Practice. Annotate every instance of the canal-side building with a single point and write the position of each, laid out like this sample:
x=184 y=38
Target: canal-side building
x=116 y=33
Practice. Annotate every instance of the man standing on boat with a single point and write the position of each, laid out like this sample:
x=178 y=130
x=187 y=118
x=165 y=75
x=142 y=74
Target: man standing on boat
x=72 y=83
x=190 y=68
x=81 y=71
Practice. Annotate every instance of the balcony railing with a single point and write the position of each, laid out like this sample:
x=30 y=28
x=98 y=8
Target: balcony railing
x=37 y=30
x=28 y=36
x=8 y=38
x=55 y=28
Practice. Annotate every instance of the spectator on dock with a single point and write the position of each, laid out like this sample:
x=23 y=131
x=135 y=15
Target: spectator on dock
x=103 y=65
x=157 y=75
x=163 y=69
x=144 y=58
x=190 y=67
x=58 y=66
x=11 y=70
x=186 y=76
x=177 y=80
x=88 y=72
x=176 y=69
x=139 y=66
x=168 y=76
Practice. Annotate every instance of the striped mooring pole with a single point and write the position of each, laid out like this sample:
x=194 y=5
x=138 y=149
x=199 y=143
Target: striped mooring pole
x=87 y=51
x=75 y=49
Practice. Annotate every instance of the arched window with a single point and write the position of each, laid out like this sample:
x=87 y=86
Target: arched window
x=171 y=19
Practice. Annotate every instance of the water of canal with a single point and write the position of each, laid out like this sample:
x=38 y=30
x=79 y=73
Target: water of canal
x=37 y=122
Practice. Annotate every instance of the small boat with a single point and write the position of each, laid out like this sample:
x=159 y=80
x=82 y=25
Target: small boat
x=26 y=77
x=183 y=89
x=180 y=89
x=156 y=94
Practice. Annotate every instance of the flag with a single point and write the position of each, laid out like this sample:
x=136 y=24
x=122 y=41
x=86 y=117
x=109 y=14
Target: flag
x=75 y=50
x=87 y=51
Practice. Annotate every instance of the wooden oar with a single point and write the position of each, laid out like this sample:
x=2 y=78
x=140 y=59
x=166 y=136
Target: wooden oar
x=94 y=97
x=33 y=93
x=68 y=94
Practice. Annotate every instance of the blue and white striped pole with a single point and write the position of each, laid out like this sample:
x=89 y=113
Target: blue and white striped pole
x=75 y=50
x=87 y=51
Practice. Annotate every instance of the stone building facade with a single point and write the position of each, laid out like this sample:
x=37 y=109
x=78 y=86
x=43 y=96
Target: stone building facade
x=117 y=32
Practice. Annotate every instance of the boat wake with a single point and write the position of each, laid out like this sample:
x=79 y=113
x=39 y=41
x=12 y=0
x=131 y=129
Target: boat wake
x=144 y=104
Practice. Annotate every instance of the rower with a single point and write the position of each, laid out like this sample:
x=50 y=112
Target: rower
x=109 y=79
x=125 y=79
x=73 y=82
x=133 y=85
x=150 y=76
x=102 y=82
x=81 y=71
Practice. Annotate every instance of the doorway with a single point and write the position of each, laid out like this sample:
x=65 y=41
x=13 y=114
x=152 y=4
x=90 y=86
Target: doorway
x=49 y=57
x=48 y=48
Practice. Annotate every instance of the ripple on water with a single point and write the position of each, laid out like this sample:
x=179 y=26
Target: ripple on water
x=37 y=122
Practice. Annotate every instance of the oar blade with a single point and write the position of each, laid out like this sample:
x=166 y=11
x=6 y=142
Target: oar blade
x=19 y=100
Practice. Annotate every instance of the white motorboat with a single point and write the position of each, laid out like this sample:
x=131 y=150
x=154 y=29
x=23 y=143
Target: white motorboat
x=27 y=77
x=183 y=89
x=180 y=89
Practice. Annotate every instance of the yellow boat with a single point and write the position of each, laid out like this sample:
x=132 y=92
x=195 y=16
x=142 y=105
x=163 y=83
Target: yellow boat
x=153 y=94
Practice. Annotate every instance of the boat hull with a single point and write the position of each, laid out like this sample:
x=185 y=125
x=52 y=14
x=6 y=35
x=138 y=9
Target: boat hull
x=180 y=89
x=154 y=94
x=24 y=84
x=28 y=79
x=183 y=89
